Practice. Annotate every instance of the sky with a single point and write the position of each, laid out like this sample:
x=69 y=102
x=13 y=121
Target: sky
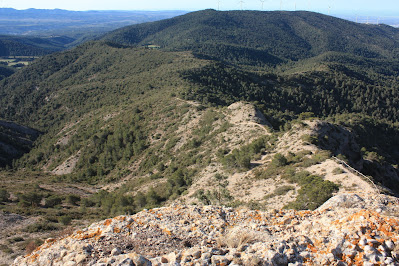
x=353 y=7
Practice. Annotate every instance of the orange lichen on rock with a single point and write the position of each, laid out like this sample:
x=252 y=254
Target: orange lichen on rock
x=358 y=260
x=121 y=218
x=50 y=241
x=95 y=234
x=108 y=222
x=348 y=236
x=129 y=226
x=167 y=231
x=257 y=216
x=304 y=213
x=312 y=248
x=34 y=257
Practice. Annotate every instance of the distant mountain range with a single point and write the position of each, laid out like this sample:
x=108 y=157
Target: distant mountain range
x=42 y=31
x=64 y=22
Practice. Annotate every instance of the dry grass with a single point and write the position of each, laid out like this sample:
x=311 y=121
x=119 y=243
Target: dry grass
x=65 y=232
x=235 y=239
x=30 y=247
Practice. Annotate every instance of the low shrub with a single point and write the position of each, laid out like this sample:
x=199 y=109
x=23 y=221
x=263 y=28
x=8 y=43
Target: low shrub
x=338 y=171
x=72 y=199
x=314 y=192
x=283 y=190
x=31 y=199
x=65 y=219
x=6 y=249
x=4 y=195
x=235 y=239
x=40 y=227
x=310 y=139
x=279 y=160
x=53 y=201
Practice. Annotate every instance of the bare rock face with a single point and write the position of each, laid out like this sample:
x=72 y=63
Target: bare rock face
x=210 y=235
x=242 y=112
x=338 y=140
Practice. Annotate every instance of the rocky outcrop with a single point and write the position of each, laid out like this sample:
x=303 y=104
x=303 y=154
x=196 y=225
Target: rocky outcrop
x=338 y=140
x=336 y=234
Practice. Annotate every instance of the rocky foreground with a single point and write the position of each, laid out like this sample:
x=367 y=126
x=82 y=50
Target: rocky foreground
x=341 y=232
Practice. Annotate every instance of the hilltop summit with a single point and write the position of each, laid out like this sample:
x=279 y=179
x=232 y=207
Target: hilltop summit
x=262 y=37
x=210 y=235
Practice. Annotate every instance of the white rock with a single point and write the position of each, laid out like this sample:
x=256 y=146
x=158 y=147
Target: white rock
x=304 y=254
x=372 y=241
x=363 y=241
x=196 y=254
x=350 y=252
x=80 y=258
x=368 y=250
x=206 y=256
x=139 y=260
x=390 y=245
x=374 y=258
x=170 y=258
x=116 y=251
x=70 y=257
x=63 y=253
x=126 y=262
x=388 y=261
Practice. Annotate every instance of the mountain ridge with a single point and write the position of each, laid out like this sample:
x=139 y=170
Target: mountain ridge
x=318 y=33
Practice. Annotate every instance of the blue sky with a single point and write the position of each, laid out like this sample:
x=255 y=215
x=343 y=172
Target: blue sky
x=365 y=7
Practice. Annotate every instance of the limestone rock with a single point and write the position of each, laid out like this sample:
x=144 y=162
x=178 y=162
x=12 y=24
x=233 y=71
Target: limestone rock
x=225 y=236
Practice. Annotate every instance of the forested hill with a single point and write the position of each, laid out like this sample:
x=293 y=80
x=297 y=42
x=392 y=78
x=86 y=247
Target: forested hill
x=255 y=37
x=32 y=46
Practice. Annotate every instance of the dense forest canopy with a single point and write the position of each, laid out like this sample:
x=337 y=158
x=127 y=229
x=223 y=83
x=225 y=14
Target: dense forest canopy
x=286 y=63
x=285 y=35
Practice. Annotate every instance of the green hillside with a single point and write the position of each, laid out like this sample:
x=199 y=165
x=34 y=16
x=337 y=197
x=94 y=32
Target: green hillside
x=340 y=67
x=94 y=75
x=6 y=71
x=31 y=46
x=263 y=36
x=124 y=127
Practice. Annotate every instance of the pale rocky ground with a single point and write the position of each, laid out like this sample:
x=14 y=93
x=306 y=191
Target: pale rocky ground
x=349 y=229
x=247 y=125
x=68 y=165
x=349 y=181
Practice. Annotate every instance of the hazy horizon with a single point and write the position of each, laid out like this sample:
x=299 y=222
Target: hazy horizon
x=356 y=7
